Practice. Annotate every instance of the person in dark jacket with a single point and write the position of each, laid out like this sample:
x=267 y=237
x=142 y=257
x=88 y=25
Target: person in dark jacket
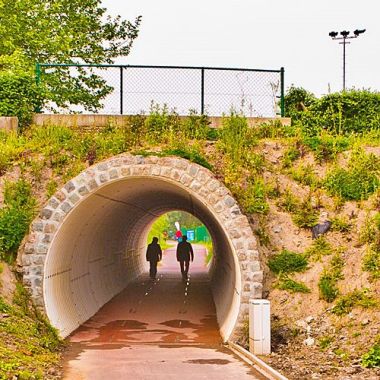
x=184 y=254
x=153 y=255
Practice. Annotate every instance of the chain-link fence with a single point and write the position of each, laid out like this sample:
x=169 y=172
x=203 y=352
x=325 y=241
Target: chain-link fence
x=132 y=89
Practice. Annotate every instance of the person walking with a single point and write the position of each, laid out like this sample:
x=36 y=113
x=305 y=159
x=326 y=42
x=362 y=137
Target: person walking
x=153 y=255
x=184 y=254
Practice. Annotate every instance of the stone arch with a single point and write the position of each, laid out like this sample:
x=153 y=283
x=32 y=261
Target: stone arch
x=89 y=240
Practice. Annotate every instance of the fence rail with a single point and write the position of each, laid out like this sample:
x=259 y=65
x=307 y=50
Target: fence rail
x=131 y=89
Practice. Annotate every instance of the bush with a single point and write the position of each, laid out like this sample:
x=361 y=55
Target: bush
x=287 y=262
x=326 y=146
x=359 y=181
x=19 y=96
x=353 y=111
x=15 y=217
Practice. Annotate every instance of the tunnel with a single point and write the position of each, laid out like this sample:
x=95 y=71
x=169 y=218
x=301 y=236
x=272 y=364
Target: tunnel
x=89 y=241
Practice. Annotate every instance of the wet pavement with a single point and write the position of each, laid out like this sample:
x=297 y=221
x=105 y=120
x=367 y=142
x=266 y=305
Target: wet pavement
x=156 y=329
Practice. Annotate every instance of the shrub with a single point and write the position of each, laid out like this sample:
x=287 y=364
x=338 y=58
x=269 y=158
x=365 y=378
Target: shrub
x=359 y=181
x=19 y=96
x=326 y=146
x=15 y=217
x=287 y=262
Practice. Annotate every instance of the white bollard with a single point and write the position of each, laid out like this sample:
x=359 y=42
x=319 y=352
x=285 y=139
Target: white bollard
x=259 y=327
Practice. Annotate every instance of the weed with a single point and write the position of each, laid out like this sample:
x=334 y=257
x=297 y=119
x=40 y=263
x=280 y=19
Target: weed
x=325 y=342
x=326 y=146
x=359 y=181
x=305 y=215
x=340 y=224
x=15 y=217
x=190 y=153
x=262 y=236
x=288 y=202
x=290 y=155
x=320 y=247
x=51 y=188
x=292 y=286
x=371 y=359
x=254 y=198
x=287 y=262
x=356 y=298
x=305 y=174
x=371 y=262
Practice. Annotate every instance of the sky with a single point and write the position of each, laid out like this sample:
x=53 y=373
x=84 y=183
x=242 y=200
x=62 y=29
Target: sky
x=263 y=34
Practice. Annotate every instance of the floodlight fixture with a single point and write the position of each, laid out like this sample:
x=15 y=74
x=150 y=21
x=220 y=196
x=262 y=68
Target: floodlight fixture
x=345 y=36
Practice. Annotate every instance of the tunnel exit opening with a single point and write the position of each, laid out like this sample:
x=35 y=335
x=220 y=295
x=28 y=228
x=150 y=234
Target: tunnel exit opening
x=89 y=242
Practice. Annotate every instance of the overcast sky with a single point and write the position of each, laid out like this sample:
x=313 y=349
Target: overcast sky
x=260 y=34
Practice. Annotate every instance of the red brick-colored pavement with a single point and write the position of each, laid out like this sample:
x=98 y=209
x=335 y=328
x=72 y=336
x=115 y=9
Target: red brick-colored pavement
x=162 y=329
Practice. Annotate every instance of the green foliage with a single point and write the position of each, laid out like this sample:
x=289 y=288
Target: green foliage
x=235 y=137
x=15 y=217
x=357 y=298
x=340 y=224
x=292 y=286
x=29 y=346
x=371 y=359
x=44 y=31
x=291 y=154
x=325 y=342
x=158 y=229
x=298 y=100
x=196 y=126
x=353 y=111
x=305 y=216
x=326 y=146
x=305 y=174
x=288 y=202
x=371 y=262
x=320 y=247
x=253 y=199
x=287 y=262
x=191 y=153
x=19 y=95
x=328 y=289
x=359 y=180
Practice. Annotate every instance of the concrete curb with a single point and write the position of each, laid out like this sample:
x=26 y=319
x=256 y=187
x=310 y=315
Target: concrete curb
x=257 y=363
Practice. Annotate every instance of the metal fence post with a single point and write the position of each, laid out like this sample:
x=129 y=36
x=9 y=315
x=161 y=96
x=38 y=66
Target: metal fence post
x=202 y=90
x=121 y=89
x=282 y=92
x=38 y=81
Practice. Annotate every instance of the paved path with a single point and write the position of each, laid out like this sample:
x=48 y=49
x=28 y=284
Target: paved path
x=162 y=329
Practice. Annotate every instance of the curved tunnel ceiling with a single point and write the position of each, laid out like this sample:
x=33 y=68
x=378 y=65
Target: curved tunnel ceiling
x=91 y=238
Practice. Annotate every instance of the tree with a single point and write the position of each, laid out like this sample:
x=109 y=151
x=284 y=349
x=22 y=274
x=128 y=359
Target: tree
x=63 y=31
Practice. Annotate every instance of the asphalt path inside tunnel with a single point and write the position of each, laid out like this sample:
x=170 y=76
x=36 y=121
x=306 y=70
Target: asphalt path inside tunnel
x=156 y=329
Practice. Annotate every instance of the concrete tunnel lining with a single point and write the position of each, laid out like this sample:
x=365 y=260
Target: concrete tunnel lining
x=89 y=241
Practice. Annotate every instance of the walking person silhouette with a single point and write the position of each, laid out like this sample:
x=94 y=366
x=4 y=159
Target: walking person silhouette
x=184 y=253
x=153 y=255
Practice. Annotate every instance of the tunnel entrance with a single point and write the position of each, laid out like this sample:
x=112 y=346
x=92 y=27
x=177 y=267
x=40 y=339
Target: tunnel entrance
x=89 y=241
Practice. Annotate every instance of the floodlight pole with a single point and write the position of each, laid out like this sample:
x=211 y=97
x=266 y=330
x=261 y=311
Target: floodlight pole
x=344 y=38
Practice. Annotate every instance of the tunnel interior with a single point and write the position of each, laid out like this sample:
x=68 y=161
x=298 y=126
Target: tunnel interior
x=100 y=248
